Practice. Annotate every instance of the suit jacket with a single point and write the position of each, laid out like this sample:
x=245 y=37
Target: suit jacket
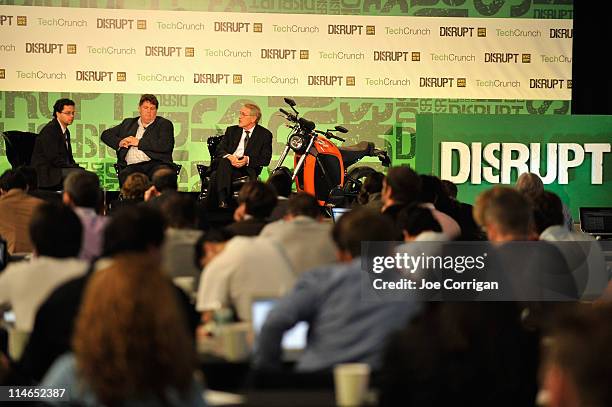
x=157 y=141
x=50 y=155
x=259 y=148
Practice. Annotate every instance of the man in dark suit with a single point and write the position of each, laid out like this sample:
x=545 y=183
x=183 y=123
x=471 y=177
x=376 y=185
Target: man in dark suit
x=244 y=150
x=143 y=143
x=52 y=155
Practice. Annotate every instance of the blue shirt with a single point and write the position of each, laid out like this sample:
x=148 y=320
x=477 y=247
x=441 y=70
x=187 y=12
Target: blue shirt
x=343 y=327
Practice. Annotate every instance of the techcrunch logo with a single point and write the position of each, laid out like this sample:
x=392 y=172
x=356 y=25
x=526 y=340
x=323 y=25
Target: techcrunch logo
x=160 y=51
x=392 y=56
x=8 y=20
x=556 y=59
x=545 y=83
x=330 y=80
x=281 y=80
x=409 y=31
x=159 y=77
x=387 y=82
x=100 y=76
x=41 y=75
x=452 y=57
x=217 y=78
x=179 y=25
x=341 y=55
x=307 y=29
x=7 y=48
x=110 y=50
x=350 y=29
x=453 y=31
x=227 y=53
x=48 y=48
x=497 y=84
x=475 y=162
x=61 y=22
x=516 y=32
x=276 y=53
x=237 y=27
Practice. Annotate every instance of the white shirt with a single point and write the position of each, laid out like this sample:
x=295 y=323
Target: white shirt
x=27 y=284
x=240 y=149
x=134 y=155
x=247 y=267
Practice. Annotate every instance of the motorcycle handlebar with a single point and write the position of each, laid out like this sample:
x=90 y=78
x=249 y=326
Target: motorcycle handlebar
x=330 y=135
x=290 y=116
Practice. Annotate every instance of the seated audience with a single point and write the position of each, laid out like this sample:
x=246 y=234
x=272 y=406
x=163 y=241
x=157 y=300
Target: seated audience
x=401 y=187
x=56 y=234
x=16 y=209
x=256 y=201
x=132 y=191
x=342 y=326
x=302 y=234
x=461 y=354
x=82 y=193
x=581 y=252
x=531 y=186
x=165 y=184
x=578 y=361
x=281 y=181
x=133 y=230
x=444 y=210
x=371 y=190
x=31 y=178
x=418 y=224
x=125 y=342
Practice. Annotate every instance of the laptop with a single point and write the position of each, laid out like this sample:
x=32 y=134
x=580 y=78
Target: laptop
x=596 y=222
x=294 y=340
x=338 y=212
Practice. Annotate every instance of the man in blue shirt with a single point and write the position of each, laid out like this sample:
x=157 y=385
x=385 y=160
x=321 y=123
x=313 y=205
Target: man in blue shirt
x=342 y=326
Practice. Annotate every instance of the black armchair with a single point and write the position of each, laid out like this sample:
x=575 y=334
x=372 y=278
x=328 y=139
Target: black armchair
x=177 y=168
x=205 y=171
x=19 y=147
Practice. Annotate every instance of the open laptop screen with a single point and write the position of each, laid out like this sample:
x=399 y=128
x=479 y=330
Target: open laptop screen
x=338 y=212
x=596 y=221
x=293 y=340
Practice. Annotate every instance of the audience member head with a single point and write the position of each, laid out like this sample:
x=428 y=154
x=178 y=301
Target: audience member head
x=303 y=204
x=360 y=225
x=165 y=180
x=256 y=199
x=530 y=184
x=450 y=188
x=461 y=354
x=504 y=213
x=135 y=186
x=547 y=211
x=55 y=231
x=372 y=184
x=414 y=220
x=431 y=189
x=179 y=211
x=127 y=333
x=30 y=176
x=579 y=362
x=209 y=245
x=401 y=185
x=82 y=189
x=281 y=182
x=134 y=229
x=12 y=179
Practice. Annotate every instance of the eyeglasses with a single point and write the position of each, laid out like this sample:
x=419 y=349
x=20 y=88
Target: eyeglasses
x=246 y=114
x=68 y=113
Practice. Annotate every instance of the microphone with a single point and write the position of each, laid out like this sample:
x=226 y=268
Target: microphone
x=290 y=116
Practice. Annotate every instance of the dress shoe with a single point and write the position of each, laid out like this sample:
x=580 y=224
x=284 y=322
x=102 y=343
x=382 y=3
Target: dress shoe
x=223 y=205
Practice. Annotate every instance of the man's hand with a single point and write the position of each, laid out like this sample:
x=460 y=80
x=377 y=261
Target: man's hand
x=151 y=193
x=241 y=162
x=128 y=142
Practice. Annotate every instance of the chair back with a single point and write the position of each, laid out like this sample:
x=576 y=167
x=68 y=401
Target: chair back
x=19 y=147
x=213 y=142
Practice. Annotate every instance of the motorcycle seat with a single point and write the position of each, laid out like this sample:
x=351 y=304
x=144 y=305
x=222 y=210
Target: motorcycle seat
x=352 y=154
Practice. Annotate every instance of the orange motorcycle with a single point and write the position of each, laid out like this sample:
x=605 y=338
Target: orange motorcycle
x=320 y=167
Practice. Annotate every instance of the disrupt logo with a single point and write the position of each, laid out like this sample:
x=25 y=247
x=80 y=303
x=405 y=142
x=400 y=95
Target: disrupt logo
x=350 y=29
x=277 y=53
x=236 y=27
x=161 y=51
x=392 y=56
x=542 y=83
x=211 y=78
x=10 y=20
x=561 y=33
x=522 y=157
x=506 y=58
x=428 y=82
x=120 y=24
x=446 y=31
x=100 y=76
x=48 y=48
x=325 y=80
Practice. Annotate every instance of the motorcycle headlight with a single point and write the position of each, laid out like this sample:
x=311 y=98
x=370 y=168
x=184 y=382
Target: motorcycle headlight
x=297 y=142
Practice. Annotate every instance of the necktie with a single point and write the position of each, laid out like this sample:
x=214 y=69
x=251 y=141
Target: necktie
x=246 y=138
x=68 y=147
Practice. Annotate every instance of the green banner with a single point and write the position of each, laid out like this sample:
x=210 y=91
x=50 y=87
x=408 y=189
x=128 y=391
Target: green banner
x=539 y=9
x=573 y=152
